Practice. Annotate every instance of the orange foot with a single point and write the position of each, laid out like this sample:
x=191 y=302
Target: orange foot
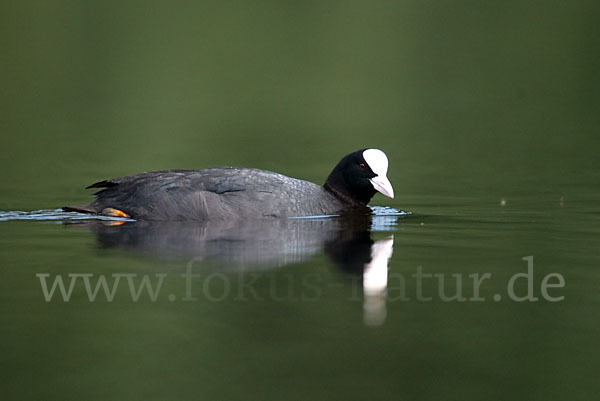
x=109 y=211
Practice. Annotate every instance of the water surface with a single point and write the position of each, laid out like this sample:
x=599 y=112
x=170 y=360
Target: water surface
x=487 y=112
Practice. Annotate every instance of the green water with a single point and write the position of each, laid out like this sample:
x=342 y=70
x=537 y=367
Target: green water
x=489 y=116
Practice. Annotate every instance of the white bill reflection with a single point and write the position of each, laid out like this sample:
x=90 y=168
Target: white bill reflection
x=375 y=278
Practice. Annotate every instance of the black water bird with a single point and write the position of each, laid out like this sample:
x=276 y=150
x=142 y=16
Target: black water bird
x=228 y=193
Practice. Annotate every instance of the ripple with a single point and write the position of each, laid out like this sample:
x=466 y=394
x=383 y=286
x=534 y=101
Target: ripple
x=388 y=211
x=52 y=215
x=383 y=217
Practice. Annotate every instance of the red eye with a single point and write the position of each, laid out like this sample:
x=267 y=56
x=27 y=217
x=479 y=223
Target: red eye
x=362 y=166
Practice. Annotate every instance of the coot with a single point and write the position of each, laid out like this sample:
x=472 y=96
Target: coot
x=227 y=193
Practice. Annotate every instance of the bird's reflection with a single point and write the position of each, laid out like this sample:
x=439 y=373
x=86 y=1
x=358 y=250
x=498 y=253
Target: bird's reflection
x=375 y=279
x=259 y=245
x=356 y=253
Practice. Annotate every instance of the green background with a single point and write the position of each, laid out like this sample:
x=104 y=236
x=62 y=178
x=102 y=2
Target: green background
x=474 y=102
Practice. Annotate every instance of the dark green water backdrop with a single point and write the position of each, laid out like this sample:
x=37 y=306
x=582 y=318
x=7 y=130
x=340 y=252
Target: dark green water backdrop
x=488 y=112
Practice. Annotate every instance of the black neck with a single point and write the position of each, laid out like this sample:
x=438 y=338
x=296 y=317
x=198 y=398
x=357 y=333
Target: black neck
x=337 y=185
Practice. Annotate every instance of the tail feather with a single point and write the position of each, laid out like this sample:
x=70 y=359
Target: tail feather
x=102 y=184
x=80 y=209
